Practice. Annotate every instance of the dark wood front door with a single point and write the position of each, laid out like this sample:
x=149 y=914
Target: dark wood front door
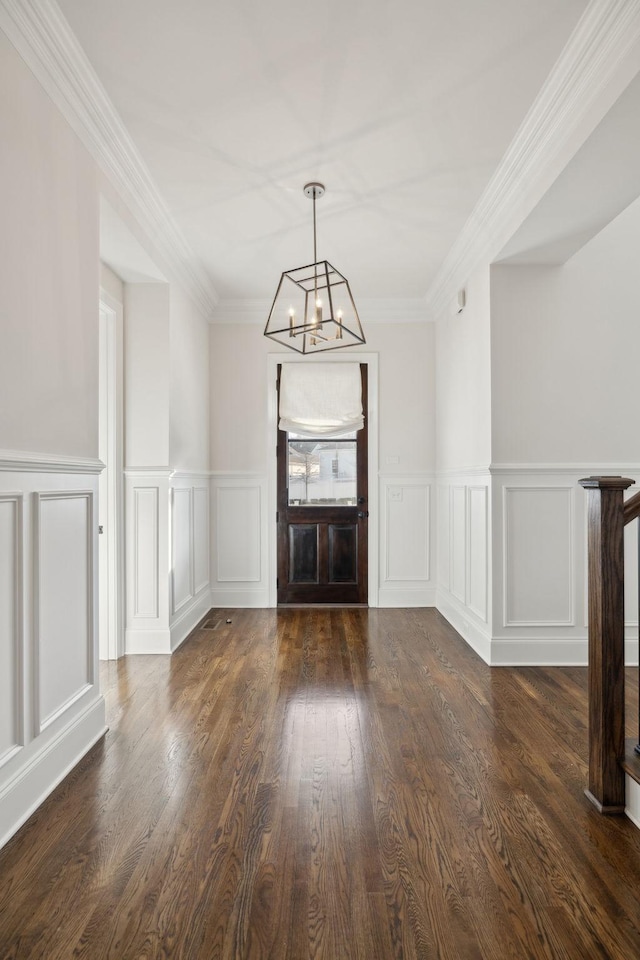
x=322 y=516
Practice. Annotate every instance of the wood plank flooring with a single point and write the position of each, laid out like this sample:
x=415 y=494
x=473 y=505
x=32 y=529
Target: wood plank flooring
x=337 y=783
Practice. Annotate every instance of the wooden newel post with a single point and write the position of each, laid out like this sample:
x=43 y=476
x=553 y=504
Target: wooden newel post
x=606 y=641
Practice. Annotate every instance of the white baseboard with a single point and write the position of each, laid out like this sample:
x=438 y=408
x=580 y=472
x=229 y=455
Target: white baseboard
x=41 y=773
x=476 y=635
x=239 y=597
x=539 y=652
x=154 y=640
x=419 y=596
x=190 y=617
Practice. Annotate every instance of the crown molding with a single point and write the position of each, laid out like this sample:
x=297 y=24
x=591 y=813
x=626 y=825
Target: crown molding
x=599 y=51
x=42 y=36
x=381 y=310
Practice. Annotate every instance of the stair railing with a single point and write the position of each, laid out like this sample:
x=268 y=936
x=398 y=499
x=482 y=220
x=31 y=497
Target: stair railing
x=608 y=514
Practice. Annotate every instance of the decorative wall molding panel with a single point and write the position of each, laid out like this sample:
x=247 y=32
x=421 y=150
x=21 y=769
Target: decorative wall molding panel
x=182 y=573
x=477 y=578
x=540 y=565
x=463 y=555
x=239 y=541
x=168 y=550
x=406 y=542
x=538 y=551
x=11 y=626
x=51 y=711
x=147 y=526
x=190 y=551
x=64 y=608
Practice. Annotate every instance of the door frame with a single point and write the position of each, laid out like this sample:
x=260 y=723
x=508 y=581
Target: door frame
x=111 y=492
x=371 y=360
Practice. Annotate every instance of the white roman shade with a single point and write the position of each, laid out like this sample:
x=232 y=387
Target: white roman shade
x=321 y=399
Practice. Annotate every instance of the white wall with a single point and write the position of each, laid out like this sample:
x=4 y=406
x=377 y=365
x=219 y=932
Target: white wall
x=52 y=711
x=49 y=271
x=463 y=380
x=565 y=344
x=146 y=374
x=240 y=460
x=189 y=437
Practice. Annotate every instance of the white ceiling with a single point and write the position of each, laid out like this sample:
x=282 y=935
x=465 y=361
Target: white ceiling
x=403 y=108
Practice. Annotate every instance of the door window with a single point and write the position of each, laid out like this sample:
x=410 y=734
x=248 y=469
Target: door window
x=322 y=472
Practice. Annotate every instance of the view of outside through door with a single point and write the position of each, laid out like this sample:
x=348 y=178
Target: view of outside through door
x=322 y=472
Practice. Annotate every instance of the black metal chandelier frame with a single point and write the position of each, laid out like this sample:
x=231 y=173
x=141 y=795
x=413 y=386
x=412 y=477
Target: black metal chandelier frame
x=314 y=329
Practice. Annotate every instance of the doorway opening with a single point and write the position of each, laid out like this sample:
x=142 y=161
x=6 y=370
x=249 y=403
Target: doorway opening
x=322 y=514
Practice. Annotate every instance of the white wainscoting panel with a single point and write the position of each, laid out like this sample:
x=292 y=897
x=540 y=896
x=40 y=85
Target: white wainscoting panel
x=148 y=561
x=239 y=541
x=478 y=537
x=64 y=602
x=190 y=549
x=406 y=542
x=463 y=555
x=238 y=534
x=444 y=536
x=458 y=543
x=11 y=654
x=146 y=520
x=51 y=711
x=182 y=576
x=538 y=556
x=201 y=526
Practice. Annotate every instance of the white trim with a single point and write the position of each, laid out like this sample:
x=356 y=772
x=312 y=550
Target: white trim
x=241 y=597
x=371 y=359
x=462 y=472
x=598 y=57
x=140 y=640
x=539 y=651
x=589 y=469
x=19 y=461
x=191 y=475
x=419 y=596
x=44 y=39
x=149 y=473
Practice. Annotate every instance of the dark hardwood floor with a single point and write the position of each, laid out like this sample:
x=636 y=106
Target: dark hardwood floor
x=337 y=783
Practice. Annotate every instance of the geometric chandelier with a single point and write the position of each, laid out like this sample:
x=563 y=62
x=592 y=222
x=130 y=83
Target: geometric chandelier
x=313 y=309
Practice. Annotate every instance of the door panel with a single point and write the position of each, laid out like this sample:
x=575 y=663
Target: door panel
x=303 y=553
x=343 y=553
x=322 y=520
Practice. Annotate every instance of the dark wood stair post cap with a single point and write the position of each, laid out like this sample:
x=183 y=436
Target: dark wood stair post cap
x=606 y=483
